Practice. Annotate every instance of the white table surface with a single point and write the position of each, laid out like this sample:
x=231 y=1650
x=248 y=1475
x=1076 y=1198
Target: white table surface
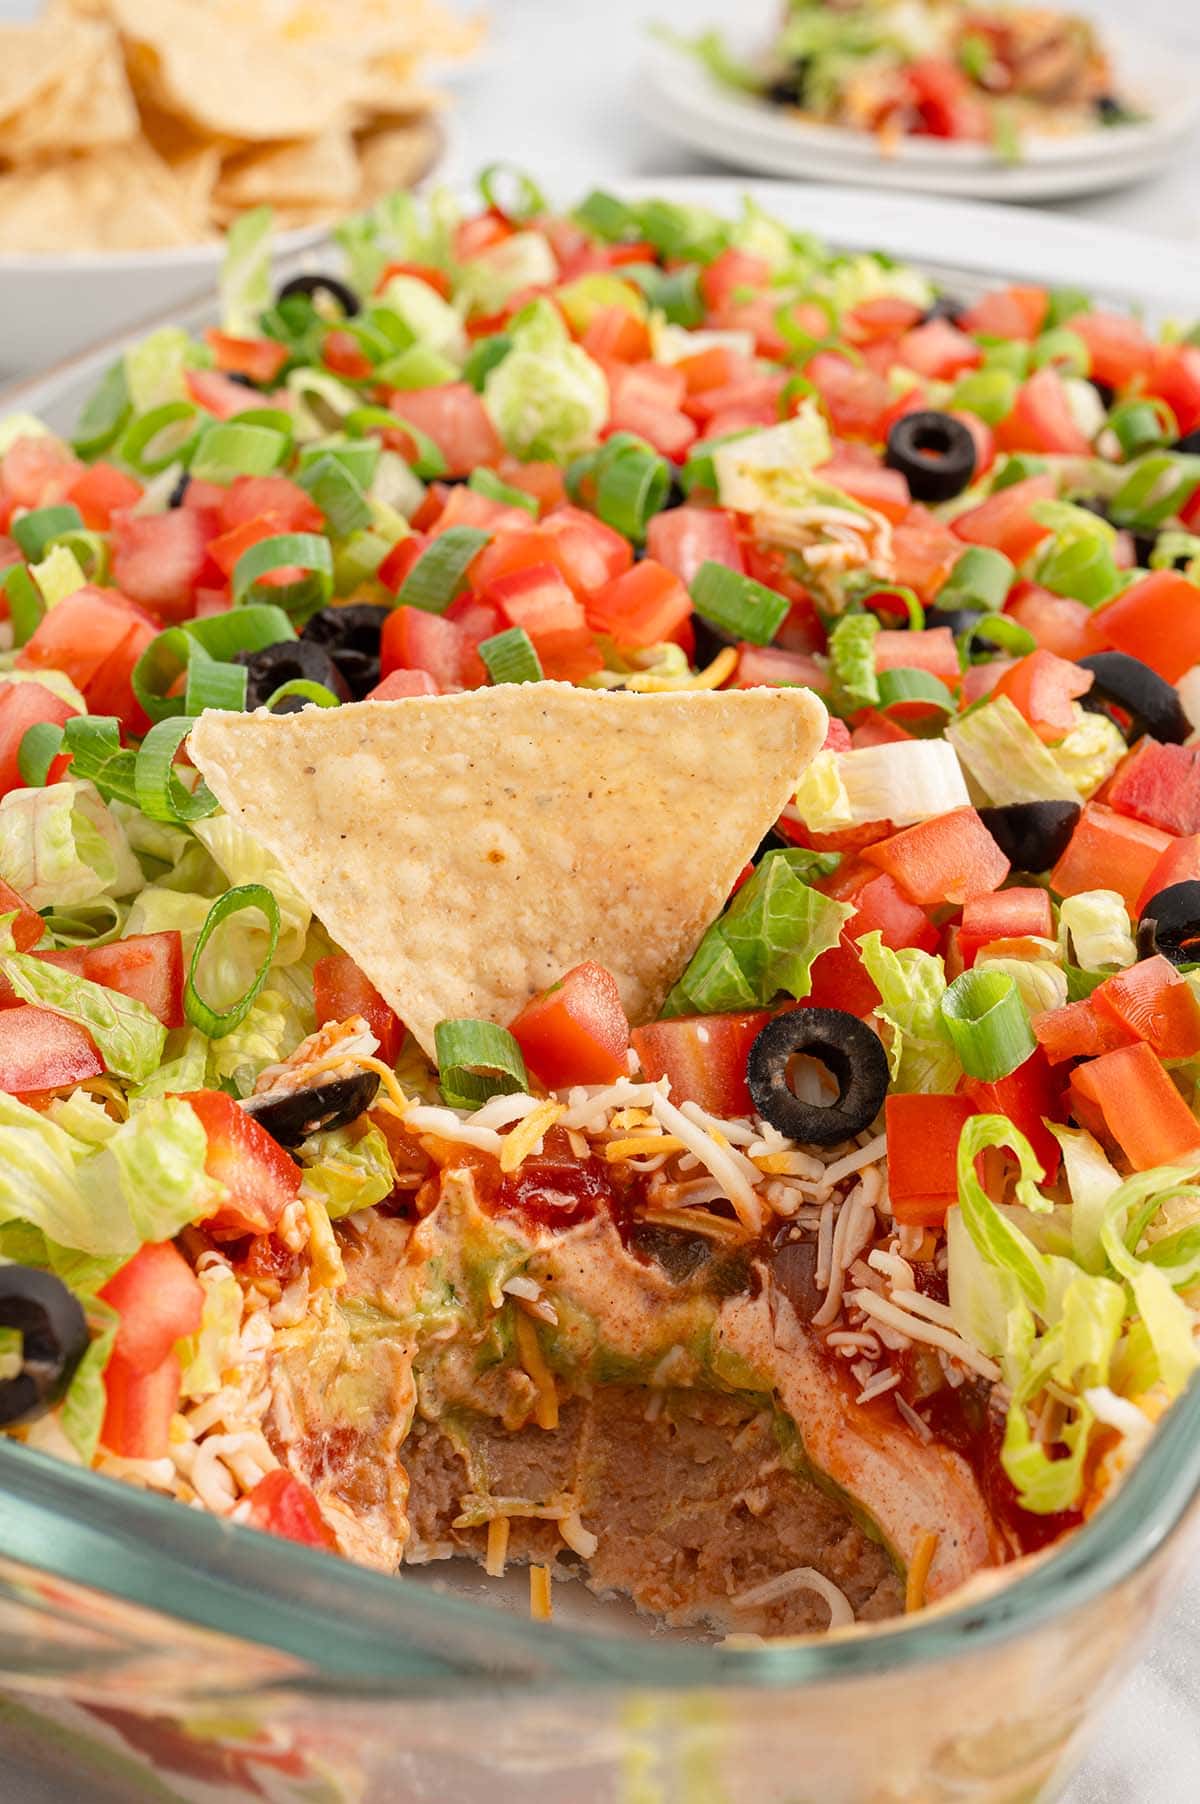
x=551 y=92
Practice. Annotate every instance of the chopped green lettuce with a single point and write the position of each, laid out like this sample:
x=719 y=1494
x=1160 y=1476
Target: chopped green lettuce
x=207 y=1354
x=127 y=1036
x=524 y=260
x=61 y=845
x=1090 y=753
x=245 y=285
x=547 y=399
x=773 y=468
x=1004 y=757
x=154 y=368
x=348 y=1169
x=911 y=985
x=1094 y=931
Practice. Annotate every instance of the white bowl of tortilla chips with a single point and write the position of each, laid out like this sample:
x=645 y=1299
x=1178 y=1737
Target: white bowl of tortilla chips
x=132 y=132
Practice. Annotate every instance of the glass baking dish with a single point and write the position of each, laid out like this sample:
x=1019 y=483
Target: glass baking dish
x=148 y=1651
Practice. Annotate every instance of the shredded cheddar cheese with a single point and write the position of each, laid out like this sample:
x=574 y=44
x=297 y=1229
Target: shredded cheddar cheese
x=497 y=1547
x=711 y=677
x=636 y=1146
x=326 y=1255
x=918 y=1572
x=540 y=1607
x=527 y=1134
x=545 y=1412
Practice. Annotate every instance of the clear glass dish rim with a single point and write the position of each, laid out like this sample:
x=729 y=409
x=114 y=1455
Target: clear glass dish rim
x=370 y=1631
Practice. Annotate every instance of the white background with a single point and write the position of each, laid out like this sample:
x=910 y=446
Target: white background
x=551 y=91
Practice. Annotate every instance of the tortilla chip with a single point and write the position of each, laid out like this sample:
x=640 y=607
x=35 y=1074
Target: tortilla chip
x=321 y=171
x=397 y=157
x=90 y=103
x=467 y=850
x=119 y=198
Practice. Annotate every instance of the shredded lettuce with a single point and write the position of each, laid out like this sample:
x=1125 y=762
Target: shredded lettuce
x=904 y=782
x=1004 y=757
x=524 y=260
x=911 y=985
x=246 y=272
x=1090 y=752
x=773 y=468
x=1041 y=982
x=127 y=1036
x=56 y=681
x=1094 y=931
x=348 y=1169
x=244 y=860
x=61 y=845
x=154 y=368
x=206 y=1355
x=58 y=575
x=431 y=321
x=852 y=661
x=399 y=228
x=81 y=1413
x=547 y=398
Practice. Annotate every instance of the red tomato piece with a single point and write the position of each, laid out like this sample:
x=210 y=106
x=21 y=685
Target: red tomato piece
x=259 y=358
x=1152 y=1002
x=1029 y=1097
x=100 y=491
x=159 y=1300
x=476 y=620
x=228 y=547
x=1127 y=1096
x=939 y=350
x=615 y=334
x=217 y=394
x=399 y=685
x=943 y=860
x=544 y=481
x=855 y=399
x=1159 y=784
x=260 y=1179
x=43 y=1051
x=645 y=398
x=1077 y=1031
x=463 y=506
x=454 y=417
x=886 y=316
x=577 y=1031
x=924 y=552
x=947 y=105
x=146 y=966
x=704 y=1056
x=871 y=483
x=539 y=600
x=81 y=633
x=645 y=606
x=139 y=1407
x=1058 y=623
x=932 y=649
x=765 y=666
x=340 y=990
x=159 y=559
x=395 y=567
x=683 y=538
x=1009 y=313
x=874 y=728
x=413 y=639
x=434 y=278
x=1118 y=348
x=1041 y=419
x=277 y=497
x=23 y=705
x=342 y=353
x=732 y=270
x=1005 y=914
x=1156 y=620
x=1175 y=377
x=1108 y=851
x=923 y=1133
x=1179 y=863
x=29 y=926
x=1004 y=520
x=282 y=1504
x=1043 y=689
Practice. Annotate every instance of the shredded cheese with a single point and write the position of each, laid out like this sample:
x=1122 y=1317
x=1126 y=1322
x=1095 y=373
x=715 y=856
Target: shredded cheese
x=365 y=1062
x=800 y=1578
x=915 y=1329
x=324 y=1251
x=711 y=677
x=637 y=1146
x=918 y=1572
x=497 y=1547
x=540 y=1606
x=527 y=1137
x=724 y=1162
x=545 y=1411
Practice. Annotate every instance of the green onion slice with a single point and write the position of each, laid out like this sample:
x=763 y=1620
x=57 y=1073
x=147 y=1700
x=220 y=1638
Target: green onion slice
x=475 y=1060
x=981 y=578
x=338 y=494
x=905 y=684
x=872 y=593
x=737 y=604
x=104 y=413
x=428 y=462
x=167 y=657
x=307 y=690
x=510 y=657
x=216 y=1023
x=483 y=356
x=486 y=482
x=419 y=366
x=986 y=1019
x=605 y=215
x=89 y=549
x=158 y=789
x=511 y=192
x=212 y=684
x=162 y=436
x=1156 y=486
x=307 y=551
x=1142 y=424
x=227 y=450
x=40 y=745
x=1063 y=350
x=998 y=632
x=440 y=571
x=632 y=483
x=25 y=604
x=35 y=530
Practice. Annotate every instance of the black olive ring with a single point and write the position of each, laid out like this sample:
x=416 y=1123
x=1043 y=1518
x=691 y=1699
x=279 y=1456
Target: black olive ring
x=1032 y=835
x=337 y=291
x=54 y=1335
x=1152 y=704
x=1170 y=924
x=351 y=636
x=850 y=1052
x=289 y=661
x=934 y=452
x=294 y=1115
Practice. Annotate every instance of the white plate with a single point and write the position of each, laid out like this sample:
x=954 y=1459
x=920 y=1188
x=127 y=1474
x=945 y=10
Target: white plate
x=679 y=95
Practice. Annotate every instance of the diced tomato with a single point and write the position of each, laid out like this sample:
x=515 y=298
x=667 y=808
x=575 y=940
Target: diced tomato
x=434 y=278
x=95 y=637
x=1006 y=914
x=923 y=1133
x=218 y=394
x=28 y=927
x=1058 y=623
x=1108 y=851
x=645 y=398
x=539 y=600
x=259 y=358
x=544 y=481
x=159 y=559
x=204 y=496
x=924 y=552
x=1118 y=348
x=1175 y=376
x=874 y=728
x=683 y=538
x=854 y=398
x=1153 y=1002
x=480 y=233
x=159 y=1300
x=146 y=966
x=400 y=685
x=645 y=606
x=1077 y=1031
x=729 y=272
x=618 y=334
x=1004 y=520
x=939 y=350
x=945 y=101
x=100 y=491
x=1179 y=863
x=260 y=1179
x=932 y=649
x=37 y=472
x=714 y=367
x=43 y=1051
x=984 y=437
x=282 y=1504
x=1043 y=689
x=876 y=487
x=394 y=570
x=414 y=639
x=765 y=666
x=463 y=506
x=1009 y=313
x=576 y=1032
x=1041 y=419
x=946 y=859
x=885 y=316
x=1127 y=1095
x=476 y=621
x=839 y=977
x=277 y=497
x=342 y=353
x=755 y=396
x=1029 y=1097
x=340 y=990
x=980 y=679
x=704 y=1056
x=1156 y=620
x=139 y=1407
x=23 y=705
x=228 y=547
x=454 y=417
x=1159 y=784
x=840 y=980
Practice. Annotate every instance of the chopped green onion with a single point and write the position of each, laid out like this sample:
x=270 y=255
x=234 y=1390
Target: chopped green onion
x=307 y=690
x=360 y=456
x=475 y=1060
x=228 y=450
x=104 y=413
x=440 y=571
x=211 y=684
x=483 y=357
x=1142 y=424
x=338 y=495
x=986 y=1019
x=632 y=483
x=25 y=604
x=250 y=628
x=428 y=462
x=486 y=482
x=170 y=428
x=273 y=418
x=1011 y=354
x=158 y=789
x=902 y=684
x=737 y=604
x=871 y=593
x=35 y=530
x=216 y=1023
x=1156 y=486
x=606 y=216
x=1063 y=350
x=981 y=578
x=510 y=657
x=998 y=632
x=675 y=293
x=1081 y=568
x=168 y=656
x=40 y=745
x=89 y=549
x=420 y=366
x=526 y=199
x=1016 y=469
x=988 y=393
x=306 y=551
x=1065 y=303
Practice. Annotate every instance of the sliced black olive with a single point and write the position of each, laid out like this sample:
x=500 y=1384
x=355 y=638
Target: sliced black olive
x=54 y=1335
x=959 y=620
x=287 y=662
x=1108 y=107
x=1105 y=390
x=1170 y=924
x=337 y=291
x=771 y=841
x=1189 y=443
x=1146 y=543
x=934 y=452
x=850 y=1052
x=710 y=640
x=240 y=377
x=293 y=1117
x=175 y=498
x=351 y=637
x=790 y=87
x=946 y=306
x=1032 y=835
x=794 y=1271
x=1151 y=704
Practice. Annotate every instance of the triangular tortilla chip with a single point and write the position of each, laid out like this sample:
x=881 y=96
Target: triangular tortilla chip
x=467 y=850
